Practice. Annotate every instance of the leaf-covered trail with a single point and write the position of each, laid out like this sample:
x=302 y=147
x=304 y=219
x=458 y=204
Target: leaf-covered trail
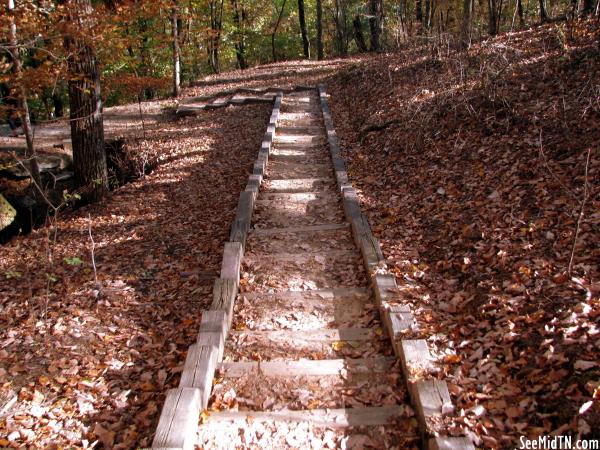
x=307 y=364
x=88 y=364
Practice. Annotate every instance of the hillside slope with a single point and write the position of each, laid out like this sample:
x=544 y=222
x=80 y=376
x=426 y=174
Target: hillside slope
x=481 y=174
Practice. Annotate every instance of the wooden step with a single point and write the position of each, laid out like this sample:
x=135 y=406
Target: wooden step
x=307 y=310
x=319 y=295
x=284 y=138
x=250 y=258
x=322 y=418
x=305 y=229
x=306 y=367
x=296 y=197
x=297 y=184
x=299 y=129
x=319 y=335
x=287 y=343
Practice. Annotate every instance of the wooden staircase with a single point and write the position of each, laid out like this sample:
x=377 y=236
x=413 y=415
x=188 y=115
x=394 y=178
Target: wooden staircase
x=304 y=358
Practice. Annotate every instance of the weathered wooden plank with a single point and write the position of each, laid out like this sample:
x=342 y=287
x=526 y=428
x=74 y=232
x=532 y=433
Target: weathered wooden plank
x=385 y=288
x=450 y=443
x=259 y=168
x=213 y=330
x=199 y=370
x=306 y=256
x=319 y=335
x=431 y=399
x=321 y=418
x=397 y=321
x=367 y=243
x=295 y=197
x=178 y=421
x=306 y=367
x=415 y=357
x=224 y=293
x=305 y=229
x=316 y=294
x=295 y=184
x=243 y=218
x=232 y=257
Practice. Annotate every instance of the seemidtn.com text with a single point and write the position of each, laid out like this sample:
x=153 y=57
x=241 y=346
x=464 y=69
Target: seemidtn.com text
x=558 y=442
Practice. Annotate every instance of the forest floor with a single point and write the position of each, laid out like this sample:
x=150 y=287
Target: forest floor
x=480 y=174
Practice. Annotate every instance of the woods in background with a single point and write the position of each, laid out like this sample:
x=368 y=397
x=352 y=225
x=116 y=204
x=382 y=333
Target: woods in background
x=94 y=53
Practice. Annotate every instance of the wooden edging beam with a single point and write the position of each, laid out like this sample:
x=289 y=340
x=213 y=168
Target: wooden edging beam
x=178 y=423
x=430 y=397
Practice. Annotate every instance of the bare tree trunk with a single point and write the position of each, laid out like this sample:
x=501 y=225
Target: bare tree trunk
x=520 y=12
x=22 y=105
x=279 y=16
x=543 y=14
x=465 y=40
x=492 y=30
x=419 y=10
x=216 y=25
x=87 y=128
x=176 y=53
x=319 y=30
x=340 y=27
x=302 y=19
x=375 y=23
x=358 y=34
x=240 y=46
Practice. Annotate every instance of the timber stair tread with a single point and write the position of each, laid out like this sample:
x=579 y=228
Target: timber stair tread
x=306 y=367
x=325 y=418
x=302 y=229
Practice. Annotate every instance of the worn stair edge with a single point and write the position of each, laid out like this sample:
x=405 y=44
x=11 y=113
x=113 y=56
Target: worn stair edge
x=316 y=335
x=305 y=367
x=303 y=229
x=199 y=370
x=415 y=357
x=243 y=217
x=213 y=330
x=224 y=294
x=323 y=294
x=397 y=321
x=321 y=418
x=431 y=400
x=430 y=397
x=232 y=257
x=178 y=423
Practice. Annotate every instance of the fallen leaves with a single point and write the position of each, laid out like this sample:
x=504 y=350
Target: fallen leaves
x=477 y=213
x=89 y=364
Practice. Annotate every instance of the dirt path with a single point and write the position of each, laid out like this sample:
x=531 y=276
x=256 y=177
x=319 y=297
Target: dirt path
x=307 y=363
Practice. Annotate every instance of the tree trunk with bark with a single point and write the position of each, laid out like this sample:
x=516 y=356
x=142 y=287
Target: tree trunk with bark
x=341 y=32
x=358 y=34
x=543 y=13
x=492 y=21
x=319 y=30
x=214 y=41
x=520 y=12
x=465 y=39
x=21 y=96
x=240 y=45
x=302 y=19
x=419 y=10
x=87 y=128
x=176 y=53
x=274 y=33
x=375 y=23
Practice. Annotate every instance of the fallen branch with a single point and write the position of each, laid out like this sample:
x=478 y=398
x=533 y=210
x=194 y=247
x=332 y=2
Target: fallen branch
x=586 y=194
